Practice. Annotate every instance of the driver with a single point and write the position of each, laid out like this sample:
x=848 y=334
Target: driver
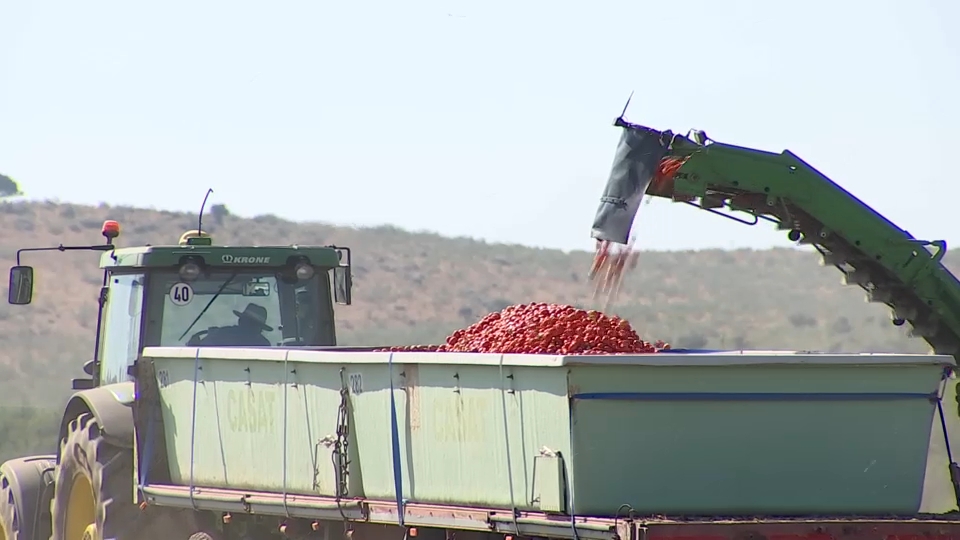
x=248 y=332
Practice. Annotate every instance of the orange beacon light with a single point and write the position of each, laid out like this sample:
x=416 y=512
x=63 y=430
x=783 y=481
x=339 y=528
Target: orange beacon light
x=110 y=230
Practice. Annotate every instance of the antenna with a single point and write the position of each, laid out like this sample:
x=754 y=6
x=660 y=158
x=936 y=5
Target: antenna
x=202 y=206
x=625 y=106
x=620 y=122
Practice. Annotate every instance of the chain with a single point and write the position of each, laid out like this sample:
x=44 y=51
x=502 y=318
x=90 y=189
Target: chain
x=342 y=444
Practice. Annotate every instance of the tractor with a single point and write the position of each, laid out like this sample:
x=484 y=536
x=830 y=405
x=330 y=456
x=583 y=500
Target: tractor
x=194 y=293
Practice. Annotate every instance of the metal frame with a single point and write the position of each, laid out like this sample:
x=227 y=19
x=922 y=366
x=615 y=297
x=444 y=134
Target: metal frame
x=385 y=513
x=533 y=524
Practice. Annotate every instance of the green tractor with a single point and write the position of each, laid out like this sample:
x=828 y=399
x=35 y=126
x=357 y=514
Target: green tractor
x=191 y=294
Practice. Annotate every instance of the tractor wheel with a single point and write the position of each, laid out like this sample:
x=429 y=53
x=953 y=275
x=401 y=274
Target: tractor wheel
x=93 y=497
x=25 y=498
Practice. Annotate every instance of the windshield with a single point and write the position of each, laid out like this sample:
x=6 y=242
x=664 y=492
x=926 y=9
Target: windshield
x=244 y=309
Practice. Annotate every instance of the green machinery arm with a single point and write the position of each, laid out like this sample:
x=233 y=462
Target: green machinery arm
x=891 y=265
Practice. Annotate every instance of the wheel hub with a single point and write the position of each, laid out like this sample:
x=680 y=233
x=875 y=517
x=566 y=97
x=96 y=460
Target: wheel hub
x=81 y=511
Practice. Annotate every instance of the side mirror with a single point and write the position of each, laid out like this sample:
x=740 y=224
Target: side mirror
x=342 y=283
x=21 y=285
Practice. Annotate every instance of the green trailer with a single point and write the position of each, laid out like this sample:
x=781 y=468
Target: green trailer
x=673 y=434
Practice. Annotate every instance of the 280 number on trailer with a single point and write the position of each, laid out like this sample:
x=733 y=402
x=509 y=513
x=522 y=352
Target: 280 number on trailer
x=163 y=378
x=356 y=383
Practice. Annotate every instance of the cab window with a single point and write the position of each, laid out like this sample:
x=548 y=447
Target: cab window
x=120 y=330
x=243 y=309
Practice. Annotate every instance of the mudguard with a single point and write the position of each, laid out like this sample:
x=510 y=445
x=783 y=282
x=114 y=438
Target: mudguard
x=111 y=405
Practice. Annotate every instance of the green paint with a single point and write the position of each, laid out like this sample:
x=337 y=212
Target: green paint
x=907 y=274
x=301 y=312
x=226 y=256
x=239 y=438
x=137 y=312
x=252 y=411
x=679 y=458
x=768 y=458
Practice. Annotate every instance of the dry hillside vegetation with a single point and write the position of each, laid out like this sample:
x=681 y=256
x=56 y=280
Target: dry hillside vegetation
x=416 y=288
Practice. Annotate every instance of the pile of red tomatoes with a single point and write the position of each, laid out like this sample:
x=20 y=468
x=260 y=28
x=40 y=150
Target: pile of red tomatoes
x=540 y=328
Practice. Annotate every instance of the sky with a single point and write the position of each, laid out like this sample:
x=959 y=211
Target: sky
x=490 y=119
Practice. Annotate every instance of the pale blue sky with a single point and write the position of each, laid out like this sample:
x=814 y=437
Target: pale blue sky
x=489 y=119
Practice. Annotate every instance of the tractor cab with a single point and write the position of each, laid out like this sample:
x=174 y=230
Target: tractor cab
x=198 y=294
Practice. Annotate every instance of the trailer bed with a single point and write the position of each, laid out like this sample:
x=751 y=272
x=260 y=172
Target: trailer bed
x=532 y=432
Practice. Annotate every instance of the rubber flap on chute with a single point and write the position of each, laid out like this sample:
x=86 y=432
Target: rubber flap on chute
x=634 y=166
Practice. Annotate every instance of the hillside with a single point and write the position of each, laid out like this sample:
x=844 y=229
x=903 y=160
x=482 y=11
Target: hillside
x=416 y=288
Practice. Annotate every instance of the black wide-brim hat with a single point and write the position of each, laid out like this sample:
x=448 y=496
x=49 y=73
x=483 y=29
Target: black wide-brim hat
x=255 y=313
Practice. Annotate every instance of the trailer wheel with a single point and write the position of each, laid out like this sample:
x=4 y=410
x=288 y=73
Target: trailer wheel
x=25 y=498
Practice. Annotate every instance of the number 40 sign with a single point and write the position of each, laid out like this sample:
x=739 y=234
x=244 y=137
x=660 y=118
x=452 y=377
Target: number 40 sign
x=181 y=294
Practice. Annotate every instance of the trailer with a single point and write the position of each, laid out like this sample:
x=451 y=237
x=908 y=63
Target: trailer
x=683 y=445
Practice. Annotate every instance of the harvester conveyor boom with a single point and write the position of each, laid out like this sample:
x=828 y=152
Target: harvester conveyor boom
x=893 y=267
